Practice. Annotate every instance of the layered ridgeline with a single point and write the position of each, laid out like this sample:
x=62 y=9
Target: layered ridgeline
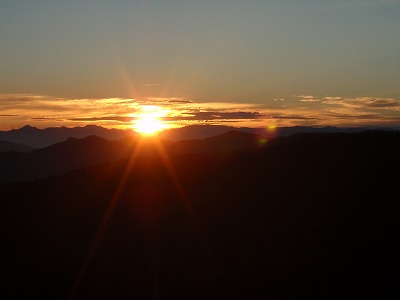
x=75 y=153
x=40 y=138
x=309 y=215
x=204 y=131
x=17 y=147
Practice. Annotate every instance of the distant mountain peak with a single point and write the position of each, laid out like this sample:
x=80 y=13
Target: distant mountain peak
x=39 y=138
x=29 y=128
x=92 y=126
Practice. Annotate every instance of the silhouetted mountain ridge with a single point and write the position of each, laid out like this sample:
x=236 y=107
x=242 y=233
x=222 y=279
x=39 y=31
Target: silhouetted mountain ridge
x=79 y=153
x=229 y=141
x=39 y=138
x=205 y=131
x=76 y=153
x=63 y=157
x=306 y=216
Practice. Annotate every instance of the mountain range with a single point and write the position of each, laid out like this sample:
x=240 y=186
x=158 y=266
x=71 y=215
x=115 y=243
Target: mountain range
x=204 y=131
x=80 y=153
x=23 y=163
x=306 y=216
x=39 y=138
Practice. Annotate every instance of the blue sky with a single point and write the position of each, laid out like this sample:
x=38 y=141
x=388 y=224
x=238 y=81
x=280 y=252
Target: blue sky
x=223 y=51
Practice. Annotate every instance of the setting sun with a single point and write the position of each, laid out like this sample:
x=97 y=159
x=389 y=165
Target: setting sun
x=149 y=121
x=149 y=124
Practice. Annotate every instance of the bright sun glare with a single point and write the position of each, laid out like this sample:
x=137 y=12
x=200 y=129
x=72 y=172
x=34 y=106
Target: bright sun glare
x=149 y=121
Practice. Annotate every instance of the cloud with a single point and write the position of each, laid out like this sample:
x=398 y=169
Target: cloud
x=364 y=102
x=380 y=103
x=216 y=115
x=363 y=116
x=179 y=101
x=294 y=117
x=196 y=116
x=310 y=100
x=44 y=118
x=305 y=97
x=40 y=107
x=338 y=110
x=164 y=101
x=332 y=98
x=45 y=111
x=122 y=119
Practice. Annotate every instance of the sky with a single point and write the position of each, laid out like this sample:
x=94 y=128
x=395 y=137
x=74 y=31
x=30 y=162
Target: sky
x=242 y=63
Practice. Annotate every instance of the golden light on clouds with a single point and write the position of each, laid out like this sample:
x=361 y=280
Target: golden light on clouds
x=156 y=114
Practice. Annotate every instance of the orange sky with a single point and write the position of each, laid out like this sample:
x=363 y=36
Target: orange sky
x=40 y=111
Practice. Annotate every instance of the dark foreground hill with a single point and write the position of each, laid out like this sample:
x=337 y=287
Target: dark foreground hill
x=308 y=216
x=17 y=147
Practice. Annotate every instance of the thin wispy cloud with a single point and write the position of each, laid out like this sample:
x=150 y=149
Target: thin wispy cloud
x=105 y=118
x=354 y=111
x=48 y=111
x=308 y=110
x=310 y=100
x=164 y=100
x=195 y=116
x=306 y=97
x=294 y=117
x=364 y=102
x=217 y=115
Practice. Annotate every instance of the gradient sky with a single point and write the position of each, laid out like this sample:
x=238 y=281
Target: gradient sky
x=252 y=63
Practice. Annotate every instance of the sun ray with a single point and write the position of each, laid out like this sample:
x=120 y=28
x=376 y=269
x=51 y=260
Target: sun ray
x=138 y=149
x=105 y=220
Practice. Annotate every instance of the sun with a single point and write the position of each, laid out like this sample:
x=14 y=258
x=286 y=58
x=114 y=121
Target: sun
x=149 y=124
x=149 y=121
